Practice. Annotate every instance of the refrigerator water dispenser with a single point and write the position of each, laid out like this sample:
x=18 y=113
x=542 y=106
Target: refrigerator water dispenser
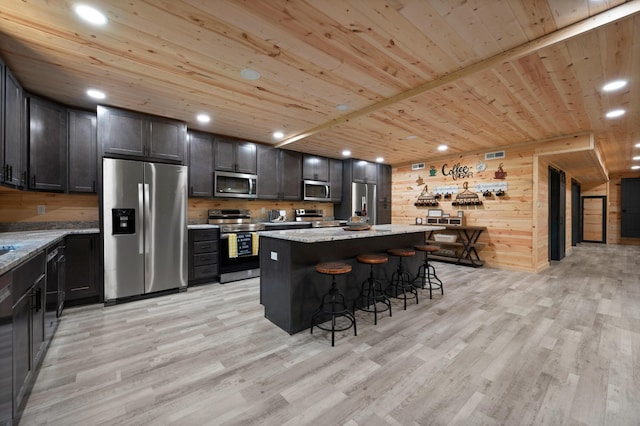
x=124 y=221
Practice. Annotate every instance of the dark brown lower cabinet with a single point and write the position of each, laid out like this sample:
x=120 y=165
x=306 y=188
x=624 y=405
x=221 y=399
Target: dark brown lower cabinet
x=203 y=255
x=83 y=275
x=28 y=328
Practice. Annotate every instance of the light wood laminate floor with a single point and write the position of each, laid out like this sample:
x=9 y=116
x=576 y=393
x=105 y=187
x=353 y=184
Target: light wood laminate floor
x=500 y=347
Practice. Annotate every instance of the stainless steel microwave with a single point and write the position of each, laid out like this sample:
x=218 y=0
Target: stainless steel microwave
x=236 y=185
x=314 y=190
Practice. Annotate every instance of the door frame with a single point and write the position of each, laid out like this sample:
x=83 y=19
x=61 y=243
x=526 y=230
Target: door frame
x=604 y=216
x=557 y=214
x=576 y=213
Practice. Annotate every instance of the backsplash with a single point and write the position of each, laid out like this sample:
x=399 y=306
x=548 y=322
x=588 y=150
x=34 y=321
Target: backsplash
x=26 y=211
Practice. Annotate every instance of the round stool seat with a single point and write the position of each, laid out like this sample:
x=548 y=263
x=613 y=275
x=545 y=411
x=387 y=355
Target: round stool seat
x=427 y=248
x=402 y=252
x=333 y=268
x=372 y=259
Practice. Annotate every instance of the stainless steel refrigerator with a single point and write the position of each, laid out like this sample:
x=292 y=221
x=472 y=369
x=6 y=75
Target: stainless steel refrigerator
x=144 y=217
x=363 y=200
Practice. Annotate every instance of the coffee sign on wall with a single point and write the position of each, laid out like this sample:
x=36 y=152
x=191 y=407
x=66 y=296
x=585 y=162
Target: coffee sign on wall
x=457 y=171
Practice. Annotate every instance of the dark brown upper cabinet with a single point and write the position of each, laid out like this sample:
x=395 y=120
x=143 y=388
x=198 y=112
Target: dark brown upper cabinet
x=47 y=145
x=82 y=138
x=128 y=134
x=235 y=156
x=200 y=147
x=315 y=168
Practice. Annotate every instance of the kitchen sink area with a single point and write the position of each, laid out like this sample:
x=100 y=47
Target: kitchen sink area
x=7 y=249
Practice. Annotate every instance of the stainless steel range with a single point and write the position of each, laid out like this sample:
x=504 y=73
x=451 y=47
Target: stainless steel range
x=238 y=244
x=315 y=217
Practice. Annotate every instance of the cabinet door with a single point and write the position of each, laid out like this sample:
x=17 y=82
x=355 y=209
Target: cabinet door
x=81 y=264
x=364 y=171
x=246 y=158
x=22 y=363
x=290 y=175
x=121 y=132
x=200 y=164
x=47 y=145
x=37 y=320
x=166 y=139
x=315 y=168
x=82 y=151
x=267 y=173
x=335 y=179
x=14 y=146
x=223 y=155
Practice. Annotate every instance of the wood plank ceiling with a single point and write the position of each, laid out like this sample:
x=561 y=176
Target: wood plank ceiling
x=473 y=74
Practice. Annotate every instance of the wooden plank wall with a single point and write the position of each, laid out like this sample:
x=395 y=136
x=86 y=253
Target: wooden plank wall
x=509 y=219
x=22 y=206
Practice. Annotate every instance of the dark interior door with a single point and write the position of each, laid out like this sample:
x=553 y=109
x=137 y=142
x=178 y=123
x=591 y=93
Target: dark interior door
x=557 y=212
x=630 y=204
x=576 y=222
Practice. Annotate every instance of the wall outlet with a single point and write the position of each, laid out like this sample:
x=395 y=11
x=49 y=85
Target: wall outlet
x=42 y=209
x=274 y=255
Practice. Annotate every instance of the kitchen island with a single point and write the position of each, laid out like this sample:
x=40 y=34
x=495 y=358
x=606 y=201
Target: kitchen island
x=290 y=288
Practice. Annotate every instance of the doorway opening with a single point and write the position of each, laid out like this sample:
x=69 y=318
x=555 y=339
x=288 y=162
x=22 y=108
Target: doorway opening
x=594 y=219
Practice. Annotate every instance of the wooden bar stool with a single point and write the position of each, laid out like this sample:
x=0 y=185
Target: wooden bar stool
x=333 y=304
x=426 y=271
x=371 y=293
x=401 y=287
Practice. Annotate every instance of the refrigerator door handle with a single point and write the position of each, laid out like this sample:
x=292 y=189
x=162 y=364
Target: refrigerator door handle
x=140 y=218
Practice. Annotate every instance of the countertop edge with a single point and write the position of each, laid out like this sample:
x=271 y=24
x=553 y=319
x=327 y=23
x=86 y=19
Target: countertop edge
x=29 y=243
x=319 y=235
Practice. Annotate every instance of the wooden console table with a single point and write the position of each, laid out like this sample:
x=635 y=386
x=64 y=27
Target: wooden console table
x=466 y=244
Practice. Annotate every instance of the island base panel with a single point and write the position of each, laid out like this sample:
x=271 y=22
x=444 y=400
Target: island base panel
x=291 y=289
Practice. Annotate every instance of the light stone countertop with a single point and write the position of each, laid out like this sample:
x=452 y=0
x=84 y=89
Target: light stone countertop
x=27 y=244
x=202 y=226
x=318 y=235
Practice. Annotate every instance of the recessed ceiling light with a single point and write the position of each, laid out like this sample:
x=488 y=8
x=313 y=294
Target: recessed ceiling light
x=379 y=160
x=96 y=94
x=636 y=158
x=615 y=113
x=638 y=145
x=346 y=153
x=342 y=107
x=411 y=137
x=635 y=167
x=90 y=14
x=443 y=148
x=249 y=74
x=278 y=135
x=614 y=85
x=203 y=118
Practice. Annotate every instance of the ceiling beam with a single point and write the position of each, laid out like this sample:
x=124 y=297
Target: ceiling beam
x=591 y=23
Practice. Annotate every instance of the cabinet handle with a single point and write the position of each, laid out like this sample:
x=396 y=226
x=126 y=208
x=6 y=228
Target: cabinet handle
x=93 y=186
x=36 y=303
x=6 y=172
x=24 y=178
x=33 y=180
x=10 y=173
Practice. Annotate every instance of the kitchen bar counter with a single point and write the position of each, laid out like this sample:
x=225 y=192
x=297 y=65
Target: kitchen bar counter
x=290 y=288
x=25 y=245
x=318 y=235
